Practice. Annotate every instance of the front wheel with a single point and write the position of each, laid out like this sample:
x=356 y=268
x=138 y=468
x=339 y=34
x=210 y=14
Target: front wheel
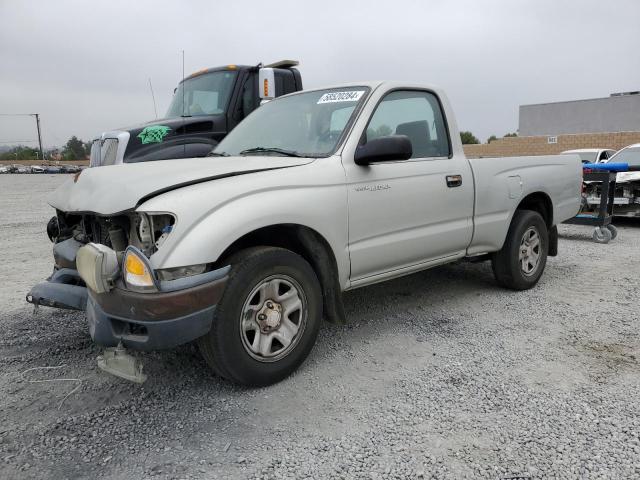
x=268 y=319
x=521 y=261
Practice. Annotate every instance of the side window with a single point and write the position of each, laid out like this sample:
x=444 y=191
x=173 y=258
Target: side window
x=603 y=155
x=415 y=114
x=204 y=103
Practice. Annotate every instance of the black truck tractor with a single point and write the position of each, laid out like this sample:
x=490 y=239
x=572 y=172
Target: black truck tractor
x=205 y=107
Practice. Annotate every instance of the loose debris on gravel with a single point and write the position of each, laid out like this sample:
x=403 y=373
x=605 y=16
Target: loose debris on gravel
x=438 y=375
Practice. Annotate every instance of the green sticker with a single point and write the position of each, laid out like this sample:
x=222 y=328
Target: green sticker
x=153 y=134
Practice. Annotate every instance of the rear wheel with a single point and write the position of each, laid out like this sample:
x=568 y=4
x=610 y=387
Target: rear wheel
x=267 y=321
x=521 y=261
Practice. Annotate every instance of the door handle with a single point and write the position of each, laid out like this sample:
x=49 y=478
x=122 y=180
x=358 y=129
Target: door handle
x=454 y=181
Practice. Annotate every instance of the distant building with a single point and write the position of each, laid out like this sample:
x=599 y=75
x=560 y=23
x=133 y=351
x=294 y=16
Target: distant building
x=620 y=112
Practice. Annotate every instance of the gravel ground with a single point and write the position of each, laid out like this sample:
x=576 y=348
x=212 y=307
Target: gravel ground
x=438 y=375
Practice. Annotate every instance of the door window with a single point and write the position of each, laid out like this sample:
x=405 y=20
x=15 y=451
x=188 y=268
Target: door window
x=417 y=115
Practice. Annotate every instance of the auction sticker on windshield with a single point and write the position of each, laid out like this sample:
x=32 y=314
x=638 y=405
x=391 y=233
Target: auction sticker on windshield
x=351 y=96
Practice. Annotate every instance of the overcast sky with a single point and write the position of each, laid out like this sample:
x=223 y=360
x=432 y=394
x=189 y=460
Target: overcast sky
x=84 y=66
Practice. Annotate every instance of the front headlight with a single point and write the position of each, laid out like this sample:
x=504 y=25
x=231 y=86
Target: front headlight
x=137 y=273
x=97 y=266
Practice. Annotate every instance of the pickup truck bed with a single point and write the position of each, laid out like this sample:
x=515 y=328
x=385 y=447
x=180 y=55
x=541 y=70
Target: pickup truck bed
x=502 y=184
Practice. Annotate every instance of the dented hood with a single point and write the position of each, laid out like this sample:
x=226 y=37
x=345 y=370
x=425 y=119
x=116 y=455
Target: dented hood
x=116 y=188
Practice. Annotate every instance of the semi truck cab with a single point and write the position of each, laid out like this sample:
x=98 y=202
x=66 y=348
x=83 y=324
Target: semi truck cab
x=206 y=106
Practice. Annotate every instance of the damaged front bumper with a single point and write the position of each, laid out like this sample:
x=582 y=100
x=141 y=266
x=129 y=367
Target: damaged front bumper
x=152 y=321
x=63 y=289
x=180 y=312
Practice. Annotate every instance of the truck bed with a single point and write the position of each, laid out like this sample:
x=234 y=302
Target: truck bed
x=501 y=184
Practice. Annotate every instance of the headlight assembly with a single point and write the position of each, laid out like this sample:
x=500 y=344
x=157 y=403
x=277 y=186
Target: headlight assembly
x=97 y=266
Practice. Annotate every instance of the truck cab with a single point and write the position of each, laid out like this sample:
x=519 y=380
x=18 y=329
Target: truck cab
x=206 y=106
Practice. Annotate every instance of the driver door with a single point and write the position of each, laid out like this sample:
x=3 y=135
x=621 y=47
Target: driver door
x=408 y=212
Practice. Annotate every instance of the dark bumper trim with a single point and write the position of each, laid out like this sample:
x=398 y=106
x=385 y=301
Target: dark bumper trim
x=151 y=321
x=109 y=330
x=63 y=289
x=156 y=306
x=58 y=295
x=142 y=321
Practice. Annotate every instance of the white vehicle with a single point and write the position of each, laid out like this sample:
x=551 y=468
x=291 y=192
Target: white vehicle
x=313 y=194
x=37 y=169
x=591 y=155
x=627 y=192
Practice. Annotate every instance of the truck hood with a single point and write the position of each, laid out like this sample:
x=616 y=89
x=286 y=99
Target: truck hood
x=113 y=189
x=174 y=123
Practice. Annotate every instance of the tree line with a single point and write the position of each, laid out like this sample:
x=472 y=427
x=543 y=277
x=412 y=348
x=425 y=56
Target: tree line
x=74 y=149
x=469 y=138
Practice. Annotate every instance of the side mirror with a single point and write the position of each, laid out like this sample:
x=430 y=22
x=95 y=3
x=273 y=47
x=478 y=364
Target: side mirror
x=266 y=84
x=384 y=149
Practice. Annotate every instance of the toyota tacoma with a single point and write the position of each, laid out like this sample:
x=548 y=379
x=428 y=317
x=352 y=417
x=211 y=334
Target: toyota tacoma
x=313 y=194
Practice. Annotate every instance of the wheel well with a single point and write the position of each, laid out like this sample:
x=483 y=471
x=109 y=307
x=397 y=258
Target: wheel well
x=541 y=203
x=311 y=246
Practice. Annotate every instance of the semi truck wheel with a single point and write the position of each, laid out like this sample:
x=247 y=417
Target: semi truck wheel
x=268 y=319
x=521 y=261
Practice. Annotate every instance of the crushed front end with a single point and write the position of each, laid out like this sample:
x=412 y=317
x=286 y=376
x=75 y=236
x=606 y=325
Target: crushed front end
x=102 y=267
x=626 y=199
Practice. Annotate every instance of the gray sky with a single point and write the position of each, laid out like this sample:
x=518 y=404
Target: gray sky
x=84 y=65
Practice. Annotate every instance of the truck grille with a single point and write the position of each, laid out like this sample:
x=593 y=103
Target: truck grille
x=103 y=152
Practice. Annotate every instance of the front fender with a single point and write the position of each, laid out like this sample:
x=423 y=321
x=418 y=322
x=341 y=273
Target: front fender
x=213 y=215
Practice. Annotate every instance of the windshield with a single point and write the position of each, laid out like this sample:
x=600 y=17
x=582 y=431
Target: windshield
x=628 y=155
x=206 y=94
x=308 y=124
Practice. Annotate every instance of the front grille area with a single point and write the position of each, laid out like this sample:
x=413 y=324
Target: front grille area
x=109 y=151
x=94 y=158
x=103 y=152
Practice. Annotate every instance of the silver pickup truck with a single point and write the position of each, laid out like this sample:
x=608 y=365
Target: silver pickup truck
x=315 y=193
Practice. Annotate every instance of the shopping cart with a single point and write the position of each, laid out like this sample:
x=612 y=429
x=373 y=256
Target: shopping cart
x=605 y=174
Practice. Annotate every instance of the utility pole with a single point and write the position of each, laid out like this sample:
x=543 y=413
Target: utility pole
x=39 y=135
x=37 y=115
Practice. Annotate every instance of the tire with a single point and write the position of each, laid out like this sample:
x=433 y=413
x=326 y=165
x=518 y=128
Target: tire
x=602 y=235
x=510 y=268
x=613 y=230
x=254 y=352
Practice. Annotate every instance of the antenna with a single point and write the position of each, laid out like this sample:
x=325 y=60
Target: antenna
x=184 y=145
x=153 y=97
x=183 y=83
